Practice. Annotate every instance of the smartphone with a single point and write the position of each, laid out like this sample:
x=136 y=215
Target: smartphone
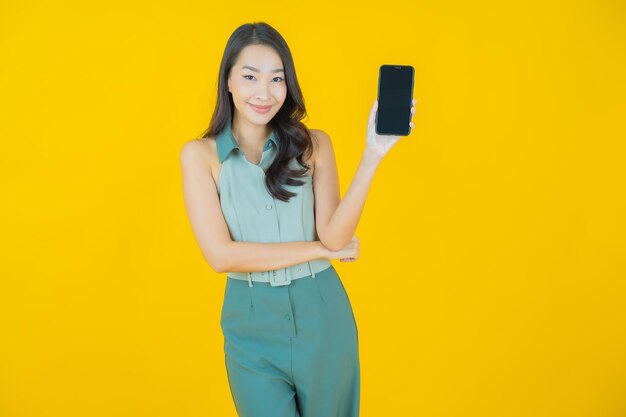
x=395 y=99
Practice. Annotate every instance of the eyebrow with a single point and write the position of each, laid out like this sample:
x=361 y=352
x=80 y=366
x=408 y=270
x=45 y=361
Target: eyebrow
x=257 y=70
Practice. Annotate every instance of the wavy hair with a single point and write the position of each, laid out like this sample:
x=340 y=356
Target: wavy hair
x=293 y=137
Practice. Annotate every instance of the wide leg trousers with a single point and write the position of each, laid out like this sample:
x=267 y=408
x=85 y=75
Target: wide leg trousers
x=291 y=351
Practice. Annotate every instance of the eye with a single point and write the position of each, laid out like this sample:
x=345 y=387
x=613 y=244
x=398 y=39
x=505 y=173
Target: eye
x=253 y=77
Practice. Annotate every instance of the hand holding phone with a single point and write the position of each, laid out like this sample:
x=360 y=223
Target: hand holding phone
x=391 y=114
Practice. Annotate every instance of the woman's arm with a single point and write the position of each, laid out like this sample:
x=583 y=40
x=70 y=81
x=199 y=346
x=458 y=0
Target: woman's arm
x=336 y=218
x=211 y=231
x=250 y=256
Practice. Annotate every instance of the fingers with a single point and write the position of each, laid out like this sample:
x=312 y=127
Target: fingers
x=372 y=118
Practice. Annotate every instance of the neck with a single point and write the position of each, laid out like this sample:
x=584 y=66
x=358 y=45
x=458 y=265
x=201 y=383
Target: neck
x=249 y=134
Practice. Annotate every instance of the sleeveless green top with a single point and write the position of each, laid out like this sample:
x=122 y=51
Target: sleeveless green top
x=254 y=215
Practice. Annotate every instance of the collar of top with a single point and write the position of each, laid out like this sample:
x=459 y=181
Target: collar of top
x=226 y=142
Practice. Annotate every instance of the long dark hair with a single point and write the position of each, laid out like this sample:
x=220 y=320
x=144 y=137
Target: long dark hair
x=293 y=137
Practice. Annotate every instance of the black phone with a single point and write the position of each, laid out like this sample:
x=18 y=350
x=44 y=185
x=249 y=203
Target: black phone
x=395 y=99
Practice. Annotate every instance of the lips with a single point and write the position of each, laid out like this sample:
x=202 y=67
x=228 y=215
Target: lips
x=261 y=107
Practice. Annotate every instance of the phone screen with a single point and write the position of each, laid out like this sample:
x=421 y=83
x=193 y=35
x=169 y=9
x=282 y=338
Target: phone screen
x=395 y=99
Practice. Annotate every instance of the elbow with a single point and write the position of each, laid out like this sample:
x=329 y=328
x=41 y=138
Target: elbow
x=220 y=264
x=329 y=242
x=217 y=268
x=214 y=264
x=332 y=245
x=217 y=262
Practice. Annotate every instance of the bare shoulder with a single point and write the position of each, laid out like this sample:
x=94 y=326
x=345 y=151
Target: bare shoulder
x=197 y=148
x=320 y=137
x=322 y=145
x=199 y=151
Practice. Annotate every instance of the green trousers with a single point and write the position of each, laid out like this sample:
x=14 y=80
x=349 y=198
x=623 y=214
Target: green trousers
x=292 y=350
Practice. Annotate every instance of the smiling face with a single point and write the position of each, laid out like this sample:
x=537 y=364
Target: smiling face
x=257 y=78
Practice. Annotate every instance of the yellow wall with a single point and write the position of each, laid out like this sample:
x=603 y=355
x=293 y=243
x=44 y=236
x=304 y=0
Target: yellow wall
x=491 y=277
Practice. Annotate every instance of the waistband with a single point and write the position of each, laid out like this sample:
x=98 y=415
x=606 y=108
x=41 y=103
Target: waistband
x=283 y=276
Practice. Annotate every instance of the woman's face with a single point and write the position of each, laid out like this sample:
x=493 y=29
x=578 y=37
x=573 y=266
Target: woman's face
x=265 y=87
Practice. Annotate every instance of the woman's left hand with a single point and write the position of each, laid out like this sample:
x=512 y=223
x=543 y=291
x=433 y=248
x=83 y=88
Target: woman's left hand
x=380 y=144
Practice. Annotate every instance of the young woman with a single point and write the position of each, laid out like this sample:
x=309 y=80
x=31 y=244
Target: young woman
x=262 y=194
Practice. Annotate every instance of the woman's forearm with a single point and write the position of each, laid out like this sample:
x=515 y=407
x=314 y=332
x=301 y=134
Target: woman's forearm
x=343 y=223
x=252 y=256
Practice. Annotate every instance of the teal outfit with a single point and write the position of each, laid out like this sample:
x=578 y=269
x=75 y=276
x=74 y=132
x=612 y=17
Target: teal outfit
x=290 y=337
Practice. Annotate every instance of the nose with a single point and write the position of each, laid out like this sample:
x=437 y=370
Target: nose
x=263 y=93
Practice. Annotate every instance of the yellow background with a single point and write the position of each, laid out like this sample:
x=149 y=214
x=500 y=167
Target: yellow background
x=491 y=277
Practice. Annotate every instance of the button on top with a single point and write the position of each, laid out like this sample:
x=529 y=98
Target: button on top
x=287 y=317
x=269 y=207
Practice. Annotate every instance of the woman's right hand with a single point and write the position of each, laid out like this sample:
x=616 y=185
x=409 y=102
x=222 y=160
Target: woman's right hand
x=349 y=253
